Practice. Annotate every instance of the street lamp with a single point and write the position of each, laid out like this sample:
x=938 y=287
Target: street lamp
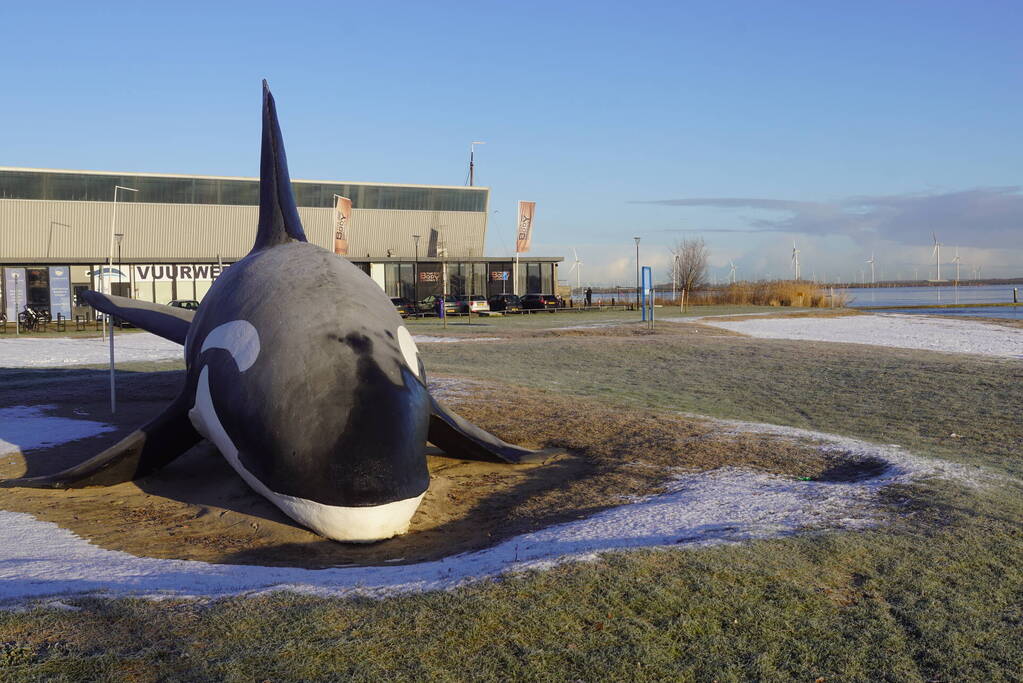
x=674 y=276
x=17 y=316
x=415 y=273
x=120 y=272
x=110 y=266
x=637 y=271
x=105 y=282
x=49 y=241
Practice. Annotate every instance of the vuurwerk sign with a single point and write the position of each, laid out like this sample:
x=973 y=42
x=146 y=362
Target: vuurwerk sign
x=162 y=272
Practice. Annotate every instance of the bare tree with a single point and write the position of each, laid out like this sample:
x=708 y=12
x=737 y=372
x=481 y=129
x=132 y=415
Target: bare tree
x=689 y=264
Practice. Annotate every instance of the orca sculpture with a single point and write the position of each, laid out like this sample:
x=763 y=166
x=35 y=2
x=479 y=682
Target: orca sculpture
x=303 y=376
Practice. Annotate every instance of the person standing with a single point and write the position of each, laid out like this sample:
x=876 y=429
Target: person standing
x=589 y=296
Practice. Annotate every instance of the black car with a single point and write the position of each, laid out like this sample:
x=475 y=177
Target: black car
x=505 y=302
x=187 y=304
x=429 y=305
x=404 y=307
x=542 y=302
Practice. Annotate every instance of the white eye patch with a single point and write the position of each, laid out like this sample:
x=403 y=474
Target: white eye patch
x=240 y=339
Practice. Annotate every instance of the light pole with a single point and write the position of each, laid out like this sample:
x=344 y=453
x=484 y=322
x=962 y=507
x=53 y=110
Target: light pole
x=17 y=316
x=120 y=272
x=105 y=282
x=637 y=270
x=110 y=266
x=674 y=276
x=49 y=241
x=415 y=273
x=472 y=161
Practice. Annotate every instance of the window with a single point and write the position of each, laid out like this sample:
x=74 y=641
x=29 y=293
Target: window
x=96 y=187
x=533 y=281
x=399 y=279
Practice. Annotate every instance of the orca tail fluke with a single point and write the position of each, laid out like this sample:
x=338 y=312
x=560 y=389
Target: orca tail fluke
x=278 y=214
x=166 y=321
x=142 y=452
x=459 y=438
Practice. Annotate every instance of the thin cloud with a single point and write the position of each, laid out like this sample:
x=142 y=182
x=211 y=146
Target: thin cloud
x=981 y=217
x=702 y=230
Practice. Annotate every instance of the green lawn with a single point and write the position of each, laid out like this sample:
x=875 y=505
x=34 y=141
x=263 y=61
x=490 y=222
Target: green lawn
x=936 y=596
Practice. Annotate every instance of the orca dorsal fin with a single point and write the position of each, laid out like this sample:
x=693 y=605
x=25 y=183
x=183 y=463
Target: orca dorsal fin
x=278 y=214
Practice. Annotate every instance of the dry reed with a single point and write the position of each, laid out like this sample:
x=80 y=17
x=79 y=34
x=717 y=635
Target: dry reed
x=798 y=293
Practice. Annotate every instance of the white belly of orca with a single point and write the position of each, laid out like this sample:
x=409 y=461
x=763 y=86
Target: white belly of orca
x=348 y=524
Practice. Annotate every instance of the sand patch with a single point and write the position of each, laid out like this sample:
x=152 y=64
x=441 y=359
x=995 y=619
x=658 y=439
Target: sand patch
x=197 y=508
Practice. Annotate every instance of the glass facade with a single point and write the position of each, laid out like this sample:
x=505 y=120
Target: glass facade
x=90 y=187
x=467 y=278
x=161 y=283
x=400 y=280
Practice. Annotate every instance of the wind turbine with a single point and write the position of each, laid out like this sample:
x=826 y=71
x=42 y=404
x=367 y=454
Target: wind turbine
x=795 y=260
x=956 y=261
x=937 y=258
x=577 y=266
x=871 y=262
x=731 y=273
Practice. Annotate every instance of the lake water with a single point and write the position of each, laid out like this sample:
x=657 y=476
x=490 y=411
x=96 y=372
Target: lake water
x=901 y=296
x=946 y=295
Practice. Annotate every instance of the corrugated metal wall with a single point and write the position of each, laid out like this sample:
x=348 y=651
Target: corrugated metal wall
x=60 y=232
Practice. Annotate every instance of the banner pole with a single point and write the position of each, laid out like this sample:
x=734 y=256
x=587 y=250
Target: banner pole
x=515 y=276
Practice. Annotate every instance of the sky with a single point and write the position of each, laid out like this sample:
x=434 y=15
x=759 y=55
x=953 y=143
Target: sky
x=850 y=129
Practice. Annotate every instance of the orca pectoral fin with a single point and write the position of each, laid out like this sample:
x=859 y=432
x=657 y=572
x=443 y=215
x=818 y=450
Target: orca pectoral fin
x=459 y=438
x=166 y=321
x=145 y=450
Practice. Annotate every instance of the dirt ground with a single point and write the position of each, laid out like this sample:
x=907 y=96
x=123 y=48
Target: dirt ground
x=198 y=508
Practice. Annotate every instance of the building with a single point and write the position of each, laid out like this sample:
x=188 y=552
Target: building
x=175 y=233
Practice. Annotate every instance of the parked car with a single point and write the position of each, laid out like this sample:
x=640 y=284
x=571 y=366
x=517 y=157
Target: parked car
x=474 y=303
x=429 y=305
x=540 y=302
x=505 y=302
x=403 y=306
x=190 y=304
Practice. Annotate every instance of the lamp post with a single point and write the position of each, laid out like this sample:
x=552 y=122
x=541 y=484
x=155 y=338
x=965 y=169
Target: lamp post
x=105 y=281
x=120 y=271
x=472 y=161
x=415 y=273
x=49 y=241
x=110 y=266
x=637 y=270
x=17 y=316
x=674 y=276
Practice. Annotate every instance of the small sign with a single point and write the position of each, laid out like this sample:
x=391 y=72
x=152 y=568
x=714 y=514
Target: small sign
x=60 y=291
x=497 y=275
x=429 y=276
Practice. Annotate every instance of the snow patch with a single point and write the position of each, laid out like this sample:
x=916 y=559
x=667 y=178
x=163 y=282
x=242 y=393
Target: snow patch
x=23 y=428
x=727 y=505
x=901 y=466
x=723 y=506
x=889 y=329
x=427 y=339
x=37 y=352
